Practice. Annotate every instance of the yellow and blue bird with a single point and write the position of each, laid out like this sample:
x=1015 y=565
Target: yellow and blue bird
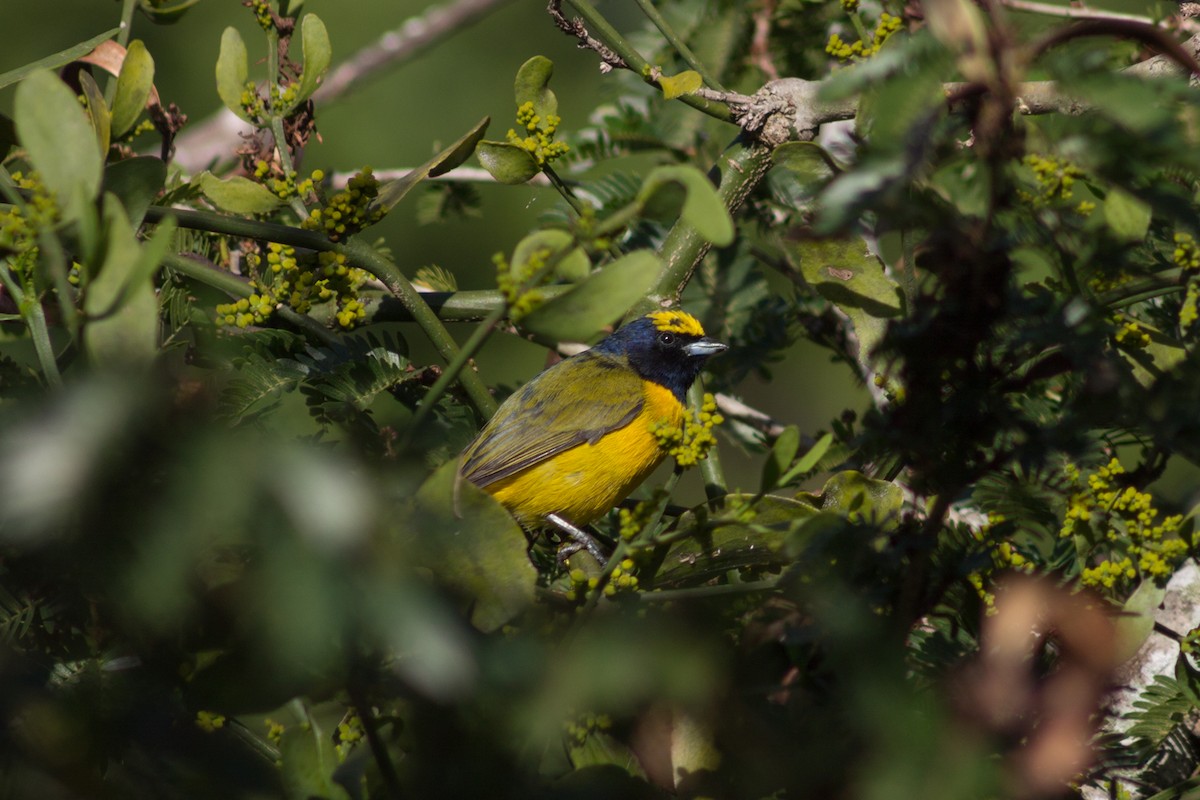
x=579 y=437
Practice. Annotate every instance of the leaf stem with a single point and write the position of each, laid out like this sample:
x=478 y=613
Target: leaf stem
x=680 y=46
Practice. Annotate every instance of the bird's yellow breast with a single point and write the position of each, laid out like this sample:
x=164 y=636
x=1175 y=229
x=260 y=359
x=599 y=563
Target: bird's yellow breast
x=584 y=482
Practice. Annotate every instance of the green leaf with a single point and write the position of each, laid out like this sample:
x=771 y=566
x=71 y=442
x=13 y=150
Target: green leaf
x=806 y=162
x=233 y=71
x=136 y=182
x=599 y=748
x=97 y=110
x=845 y=273
x=507 y=162
x=59 y=139
x=309 y=760
x=1135 y=623
x=532 y=86
x=787 y=444
x=238 y=194
x=855 y=496
x=317 y=56
x=393 y=192
x=133 y=88
x=809 y=460
x=1126 y=216
x=1154 y=360
x=474 y=546
x=601 y=299
x=120 y=302
x=573 y=266
x=702 y=208
x=674 y=86
x=59 y=59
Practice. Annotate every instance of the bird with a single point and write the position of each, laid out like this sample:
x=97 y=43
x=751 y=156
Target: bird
x=575 y=440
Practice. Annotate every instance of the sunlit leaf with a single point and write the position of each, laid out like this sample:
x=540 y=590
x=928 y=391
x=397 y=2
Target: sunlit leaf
x=133 y=88
x=238 y=194
x=601 y=299
x=317 y=56
x=674 y=86
x=532 y=86
x=507 y=162
x=233 y=71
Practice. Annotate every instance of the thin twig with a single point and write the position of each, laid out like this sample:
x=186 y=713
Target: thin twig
x=760 y=47
x=1079 y=12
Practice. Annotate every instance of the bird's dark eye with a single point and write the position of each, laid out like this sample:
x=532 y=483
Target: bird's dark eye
x=666 y=338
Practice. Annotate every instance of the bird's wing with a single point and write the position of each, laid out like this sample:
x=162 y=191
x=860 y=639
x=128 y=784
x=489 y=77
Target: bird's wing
x=578 y=401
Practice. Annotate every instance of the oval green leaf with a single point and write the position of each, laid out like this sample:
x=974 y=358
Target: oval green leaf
x=602 y=299
x=237 y=194
x=232 y=72
x=59 y=139
x=573 y=266
x=532 y=86
x=318 y=54
x=474 y=546
x=133 y=88
x=1126 y=216
x=506 y=162
x=702 y=207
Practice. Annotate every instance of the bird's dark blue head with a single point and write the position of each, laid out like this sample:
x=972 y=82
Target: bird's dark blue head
x=667 y=347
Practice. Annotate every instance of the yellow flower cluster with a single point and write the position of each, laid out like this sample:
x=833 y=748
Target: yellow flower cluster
x=321 y=278
x=274 y=731
x=1187 y=254
x=262 y=13
x=850 y=5
x=286 y=186
x=583 y=726
x=538 y=135
x=208 y=722
x=1139 y=539
x=633 y=521
x=1188 y=312
x=19 y=227
x=1130 y=334
x=349 y=733
x=252 y=102
x=690 y=442
x=514 y=284
x=1004 y=556
x=348 y=211
x=859 y=50
x=1056 y=180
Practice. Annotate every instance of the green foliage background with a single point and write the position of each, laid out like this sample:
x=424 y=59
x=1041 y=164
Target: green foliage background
x=234 y=558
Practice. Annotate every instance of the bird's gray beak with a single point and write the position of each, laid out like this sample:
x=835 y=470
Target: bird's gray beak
x=705 y=347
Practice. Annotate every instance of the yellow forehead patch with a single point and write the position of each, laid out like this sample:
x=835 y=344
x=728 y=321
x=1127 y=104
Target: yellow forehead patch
x=676 y=322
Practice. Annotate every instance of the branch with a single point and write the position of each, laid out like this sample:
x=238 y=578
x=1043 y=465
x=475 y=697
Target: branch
x=1079 y=12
